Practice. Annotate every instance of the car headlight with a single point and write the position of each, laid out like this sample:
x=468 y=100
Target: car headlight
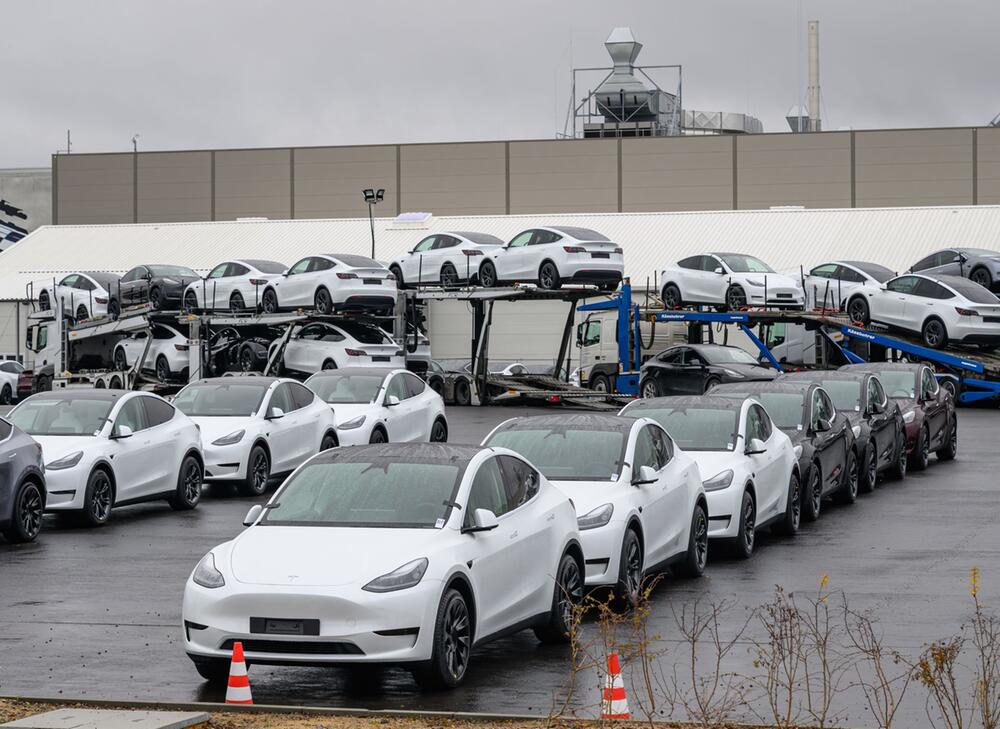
x=719 y=481
x=733 y=373
x=798 y=451
x=352 y=423
x=65 y=462
x=400 y=578
x=171 y=281
x=856 y=430
x=234 y=437
x=596 y=517
x=909 y=415
x=206 y=574
x=755 y=282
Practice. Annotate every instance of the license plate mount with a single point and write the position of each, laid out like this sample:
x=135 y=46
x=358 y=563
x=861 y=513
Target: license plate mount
x=285 y=626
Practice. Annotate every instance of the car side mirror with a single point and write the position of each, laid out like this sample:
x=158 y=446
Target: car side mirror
x=391 y=401
x=253 y=515
x=821 y=426
x=275 y=413
x=122 y=431
x=719 y=270
x=484 y=521
x=646 y=475
x=755 y=447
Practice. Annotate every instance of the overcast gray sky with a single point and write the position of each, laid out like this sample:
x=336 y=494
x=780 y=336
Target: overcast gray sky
x=239 y=73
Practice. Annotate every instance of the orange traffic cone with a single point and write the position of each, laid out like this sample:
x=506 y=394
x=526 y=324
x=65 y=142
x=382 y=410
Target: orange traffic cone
x=614 y=705
x=238 y=690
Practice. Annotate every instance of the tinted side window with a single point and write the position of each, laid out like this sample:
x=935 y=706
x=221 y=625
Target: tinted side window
x=300 y=267
x=928 y=383
x=827 y=270
x=132 y=414
x=163 y=333
x=708 y=263
x=414 y=385
x=522 y=239
x=302 y=396
x=320 y=264
x=520 y=481
x=651 y=449
x=924 y=263
x=425 y=245
x=397 y=387
x=132 y=275
x=903 y=284
x=312 y=331
x=237 y=269
x=487 y=491
x=849 y=275
x=158 y=412
x=931 y=290
x=4 y=430
x=758 y=424
x=446 y=241
x=282 y=398
x=671 y=356
x=329 y=334
x=875 y=392
x=693 y=263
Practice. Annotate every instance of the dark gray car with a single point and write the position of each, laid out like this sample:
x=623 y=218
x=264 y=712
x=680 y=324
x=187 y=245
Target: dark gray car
x=22 y=485
x=977 y=264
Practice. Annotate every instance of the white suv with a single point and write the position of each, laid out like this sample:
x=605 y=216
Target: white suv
x=731 y=281
x=325 y=346
x=330 y=281
x=444 y=258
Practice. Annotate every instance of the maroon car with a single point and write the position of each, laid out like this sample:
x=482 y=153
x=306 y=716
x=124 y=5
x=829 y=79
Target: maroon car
x=928 y=409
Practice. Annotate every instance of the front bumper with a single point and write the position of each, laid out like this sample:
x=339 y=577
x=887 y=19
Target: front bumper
x=355 y=436
x=602 y=549
x=724 y=511
x=354 y=626
x=65 y=489
x=225 y=463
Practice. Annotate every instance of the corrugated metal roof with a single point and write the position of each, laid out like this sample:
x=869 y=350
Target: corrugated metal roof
x=785 y=238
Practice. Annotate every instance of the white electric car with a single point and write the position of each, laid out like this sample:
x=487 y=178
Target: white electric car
x=731 y=281
x=103 y=448
x=403 y=553
x=446 y=258
x=843 y=284
x=331 y=281
x=168 y=355
x=639 y=500
x=749 y=467
x=232 y=286
x=379 y=405
x=84 y=295
x=940 y=309
x=555 y=255
x=10 y=373
x=327 y=346
x=255 y=427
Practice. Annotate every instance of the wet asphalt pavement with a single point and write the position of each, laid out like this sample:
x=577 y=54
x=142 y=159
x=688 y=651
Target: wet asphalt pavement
x=96 y=613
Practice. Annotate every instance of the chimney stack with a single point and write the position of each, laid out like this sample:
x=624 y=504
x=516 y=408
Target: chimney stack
x=815 y=124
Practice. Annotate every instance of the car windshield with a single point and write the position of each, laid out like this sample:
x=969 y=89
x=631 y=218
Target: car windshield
x=172 y=271
x=728 y=355
x=345 y=388
x=739 y=263
x=376 y=492
x=568 y=454
x=846 y=394
x=221 y=399
x=61 y=416
x=899 y=383
x=785 y=408
x=694 y=428
x=364 y=333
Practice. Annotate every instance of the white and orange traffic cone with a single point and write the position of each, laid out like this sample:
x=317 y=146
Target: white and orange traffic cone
x=238 y=690
x=614 y=705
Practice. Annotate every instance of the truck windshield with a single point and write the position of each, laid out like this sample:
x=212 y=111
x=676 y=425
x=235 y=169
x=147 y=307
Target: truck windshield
x=61 y=416
x=209 y=399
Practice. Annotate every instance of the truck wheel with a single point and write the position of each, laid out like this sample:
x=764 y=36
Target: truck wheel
x=43 y=384
x=463 y=392
x=600 y=383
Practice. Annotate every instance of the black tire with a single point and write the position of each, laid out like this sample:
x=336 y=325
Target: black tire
x=439 y=431
x=162 y=369
x=258 y=473
x=97 y=499
x=488 y=275
x=99 y=385
x=189 y=481
x=649 y=388
x=213 y=670
x=436 y=384
x=789 y=524
x=933 y=334
x=26 y=517
x=248 y=360
x=693 y=564
x=548 y=276
x=981 y=276
x=44 y=304
x=120 y=360
x=710 y=383
x=448 y=276
x=568 y=593
x=868 y=469
x=329 y=441
x=736 y=298
x=323 y=301
x=43 y=383
x=952 y=387
x=671 y=296
x=746 y=538
x=848 y=491
x=812 y=495
x=950 y=448
x=607 y=287
x=921 y=455
x=398 y=273
x=859 y=311
x=463 y=392
x=452 y=644
x=269 y=302
x=6 y=395
x=190 y=301
x=600 y=383
x=899 y=468
x=631 y=565
x=329 y=364
x=236 y=303
x=378 y=436
x=81 y=313
x=114 y=309
x=155 y=300
x=115 y=383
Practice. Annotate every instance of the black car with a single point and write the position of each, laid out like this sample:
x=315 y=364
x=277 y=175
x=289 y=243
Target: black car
x=160 y=286
x=693 y=369
x=22 y=485
x=823 y=438
x=876 y=421
x=928 y=409
x=241 y=351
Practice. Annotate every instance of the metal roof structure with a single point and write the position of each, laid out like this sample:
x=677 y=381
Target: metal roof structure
x=783 y=237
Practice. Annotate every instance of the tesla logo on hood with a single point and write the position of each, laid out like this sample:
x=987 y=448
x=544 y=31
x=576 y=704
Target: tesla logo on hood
x=292 y=578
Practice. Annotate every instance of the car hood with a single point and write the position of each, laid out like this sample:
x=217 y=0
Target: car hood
x=711 y=463
x=213 y=428
x=344 y=411
x=774 y=280
x=55 y=447
x=752 y=372
x=184 y=280
x=588 y=495
x=317 y=556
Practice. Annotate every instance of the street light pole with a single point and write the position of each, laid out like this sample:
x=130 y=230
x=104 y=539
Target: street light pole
x=373 y=198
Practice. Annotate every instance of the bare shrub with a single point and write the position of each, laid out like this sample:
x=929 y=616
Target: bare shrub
x=883 y=675
x=936 y=670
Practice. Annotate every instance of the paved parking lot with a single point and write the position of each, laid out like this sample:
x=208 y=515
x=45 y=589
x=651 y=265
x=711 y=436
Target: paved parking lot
x=96 y=613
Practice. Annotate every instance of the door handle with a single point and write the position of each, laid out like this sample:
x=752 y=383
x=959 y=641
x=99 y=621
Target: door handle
x=513 y=535
x=550 y=517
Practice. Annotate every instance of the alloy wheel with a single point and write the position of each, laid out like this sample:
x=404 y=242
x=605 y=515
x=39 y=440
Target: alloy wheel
x=324 y=304
x=6 y=396
x=796 y=497
x=671 y=299
x=857 y=310
x=872 y=467
x=154 y=299
x=982 y=277
x=377 y=436
x=701 y=539
x=816 y=493
x=448 y=275
x=236 y=304
x=749 y=523
x=439 y=434
x=934 y=334
x=29 y=511
x=457 y=638
x=81 y=313
x=269 y=302
x=192 y=483
x=570 y=590
x=736 y=299
x=852 y=476
x=162 y=370
x=100 y=504
x=260 y=472
x=649 y=390
x=488 y=275
x=548 y=276
x=633 y=571
x=247 y=360
x=190 y=302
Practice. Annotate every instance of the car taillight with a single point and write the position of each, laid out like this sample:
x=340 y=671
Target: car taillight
x=258 y=281
x=100 y=300
x=472 y=252
x=573 y=249
x=618 y=250
x=347 y=275
x=966 y=312
x=181 y=347
x=355 y=352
